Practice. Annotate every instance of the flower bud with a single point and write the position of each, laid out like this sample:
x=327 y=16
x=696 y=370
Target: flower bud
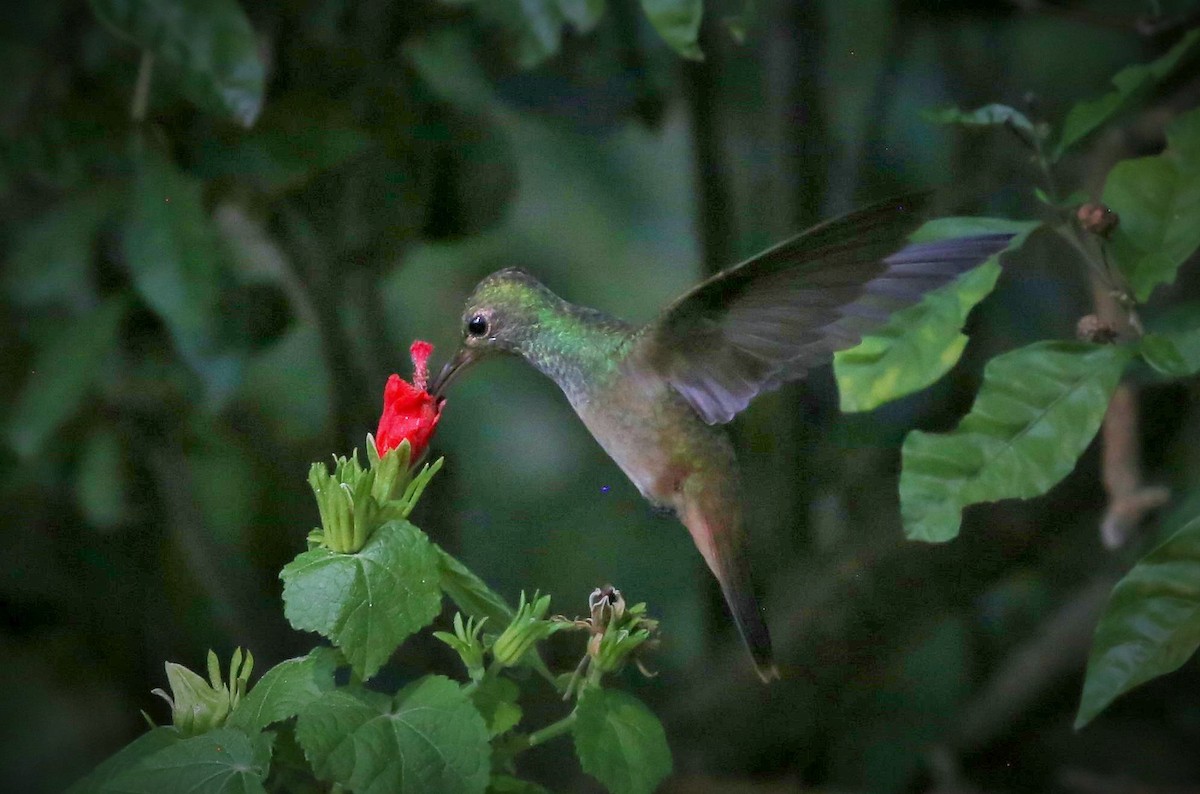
x=526 y=629
x=467 y=641
x=1097 y=219
x=197 y=705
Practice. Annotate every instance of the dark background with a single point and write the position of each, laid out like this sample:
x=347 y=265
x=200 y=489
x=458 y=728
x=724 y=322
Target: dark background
x=401 y=155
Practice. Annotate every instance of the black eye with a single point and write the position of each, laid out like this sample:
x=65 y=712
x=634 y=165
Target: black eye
x=477 y=325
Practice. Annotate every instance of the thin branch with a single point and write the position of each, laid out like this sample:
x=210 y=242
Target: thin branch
x=141 y=89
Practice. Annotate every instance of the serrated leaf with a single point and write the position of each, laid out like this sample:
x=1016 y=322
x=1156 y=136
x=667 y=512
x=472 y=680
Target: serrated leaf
x=1132 y=83
x=1158 y=200
x=993 y=115
x=176 y=263
x=285 y=690
x=496 y=699
x=209 y=41
x=470 y=593
x=1038 y=409
x=64 y=372
x=224 y=761
x=429 y=738
x=125 y=759
x=678 y=22
x=369 y=602
x=620 y=742
x=1151 y=624
x=920 y=344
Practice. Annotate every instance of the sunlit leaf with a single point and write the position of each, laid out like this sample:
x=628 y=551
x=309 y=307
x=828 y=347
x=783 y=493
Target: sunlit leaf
x=1158 y=200
x=369 y=602
x=224 y=761
x=920 y=344
x=1151 y=625
x=678 y=22
x=428 y=738
x=63 y=374
x=620 y=742
x=209 y=41
x=1038 y=409
x=1132 y=83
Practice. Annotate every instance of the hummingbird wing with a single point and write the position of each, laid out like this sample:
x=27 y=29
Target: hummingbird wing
x=771 y=318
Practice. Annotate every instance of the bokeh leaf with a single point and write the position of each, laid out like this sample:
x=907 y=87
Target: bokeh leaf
x=176 y=262
x=582 y=14
x=428 y=738
x=1132 y=83
x=101 y=485
x=678 y=22
x=1151 y=625
x=921 y=343
x=1158 y=200
x=285 y=690
x=1038 y=409
x=224 y=761
x=209 y=41
x=50 y=263
x=1175 y=354
x=63 y=374
x=369 y=602
x=993 y=115
x=620 y=742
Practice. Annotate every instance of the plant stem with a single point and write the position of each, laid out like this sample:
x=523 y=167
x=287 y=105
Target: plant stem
x=141 y=89
x=552 y=730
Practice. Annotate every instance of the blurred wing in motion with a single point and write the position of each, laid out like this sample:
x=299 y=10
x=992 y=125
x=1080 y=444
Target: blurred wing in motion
x=770 y=319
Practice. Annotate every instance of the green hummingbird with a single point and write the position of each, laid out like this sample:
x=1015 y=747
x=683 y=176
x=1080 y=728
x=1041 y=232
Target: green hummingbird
x=652 y=395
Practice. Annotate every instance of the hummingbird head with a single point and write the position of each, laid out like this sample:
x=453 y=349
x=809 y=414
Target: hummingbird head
x=500 y=316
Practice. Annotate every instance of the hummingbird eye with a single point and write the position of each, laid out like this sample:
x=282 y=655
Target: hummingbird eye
x=477 y=325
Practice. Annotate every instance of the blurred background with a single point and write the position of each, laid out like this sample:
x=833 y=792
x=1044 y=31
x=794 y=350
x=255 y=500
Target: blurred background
x=170 y=369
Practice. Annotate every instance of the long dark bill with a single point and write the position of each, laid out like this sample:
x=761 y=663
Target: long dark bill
x=463 y=359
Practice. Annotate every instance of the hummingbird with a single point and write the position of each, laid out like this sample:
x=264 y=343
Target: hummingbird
x=654 y=395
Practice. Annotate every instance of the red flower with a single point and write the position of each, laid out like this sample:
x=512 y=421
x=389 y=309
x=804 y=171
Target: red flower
x=409 y=412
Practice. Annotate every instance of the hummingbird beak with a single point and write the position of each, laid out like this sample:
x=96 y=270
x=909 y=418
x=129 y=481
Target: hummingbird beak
x=462 y=359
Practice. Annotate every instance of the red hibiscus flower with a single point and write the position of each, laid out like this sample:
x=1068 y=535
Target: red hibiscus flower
x=409 y=412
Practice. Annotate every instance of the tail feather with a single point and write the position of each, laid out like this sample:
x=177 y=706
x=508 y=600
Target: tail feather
x=712 y=516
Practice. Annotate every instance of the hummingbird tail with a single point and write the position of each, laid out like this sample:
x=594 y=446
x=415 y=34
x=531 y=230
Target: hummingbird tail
x=714 y=521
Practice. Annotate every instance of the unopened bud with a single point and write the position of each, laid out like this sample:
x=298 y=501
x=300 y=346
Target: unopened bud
x=1097 y=219
x=1091 y=328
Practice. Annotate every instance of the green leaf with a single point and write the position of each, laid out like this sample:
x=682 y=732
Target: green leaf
x=470 y=593
x=1132 y=83
x=224 y=761
x=176 y=262
x=366 y=603
x=51 y=259
x=1037 y=411
x=101 y=483
x=582 y=14
x=620 y=742
x=987 y=116
x=678 y=22
x=1151 y=625
x=496 y=699
x=285 y=690
x=209 y=41
x=63 y=374
x=921 y=343
x=447 y=63
x=1175 y=354
x=1158 y=200
x=506 y=784
x=429 y=738
x=125 y=759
